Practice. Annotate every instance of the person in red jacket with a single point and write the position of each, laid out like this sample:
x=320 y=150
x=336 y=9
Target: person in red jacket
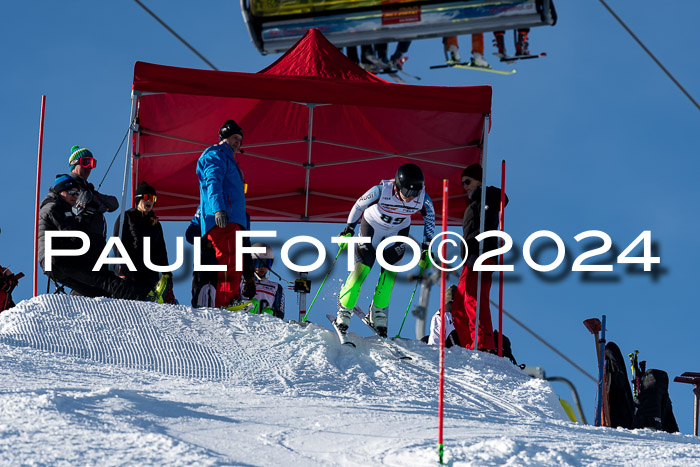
x=464 y=304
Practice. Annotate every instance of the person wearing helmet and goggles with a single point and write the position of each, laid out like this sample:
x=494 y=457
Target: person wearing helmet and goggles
x=385 y=210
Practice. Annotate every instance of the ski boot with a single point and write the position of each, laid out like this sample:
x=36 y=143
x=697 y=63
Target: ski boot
x=342 y=319
x=240 y=305
x=157 y=293
x=478 y=60
x=378 y=319
x=500 y=43
x=452 y=54
x=397 y=62
x=521 y=45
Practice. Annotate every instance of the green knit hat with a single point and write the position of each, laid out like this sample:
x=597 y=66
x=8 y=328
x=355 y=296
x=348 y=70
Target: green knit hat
x=76 y=152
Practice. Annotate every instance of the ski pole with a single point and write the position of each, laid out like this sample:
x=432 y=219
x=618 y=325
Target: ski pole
x=321 y=286
x=420 y=277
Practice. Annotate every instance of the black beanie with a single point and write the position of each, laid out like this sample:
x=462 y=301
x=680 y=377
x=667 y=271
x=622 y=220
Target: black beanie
x=144 y=189
x=228 y=129
x=473 y=171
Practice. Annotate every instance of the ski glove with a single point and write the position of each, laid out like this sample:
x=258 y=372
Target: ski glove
x=84 y=199
x=221 y=219
x=249 y=289
x=348 y=232
x=425 y=259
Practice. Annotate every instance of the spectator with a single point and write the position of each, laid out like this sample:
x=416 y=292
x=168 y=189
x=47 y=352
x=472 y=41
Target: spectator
x=91 y=204
x=141 y=222
x=222 y=204
x=56 y=213
x=464 y=305
x=451 y=336
x=203 y=282
x=269 y=294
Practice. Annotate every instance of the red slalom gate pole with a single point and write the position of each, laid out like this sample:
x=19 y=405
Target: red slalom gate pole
x=500 y=260
x=36 y=206
x=443 y=283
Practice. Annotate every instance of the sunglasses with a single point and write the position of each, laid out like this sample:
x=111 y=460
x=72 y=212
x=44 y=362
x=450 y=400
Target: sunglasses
x=466 y=182
x=88 y=162
x=262 y=263
x=73 y=192
x=147 y=197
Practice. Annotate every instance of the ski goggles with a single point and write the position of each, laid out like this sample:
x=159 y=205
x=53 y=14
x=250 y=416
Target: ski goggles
x=408 y=193
x=87 y=162
x=147 y=197
x=262 y=263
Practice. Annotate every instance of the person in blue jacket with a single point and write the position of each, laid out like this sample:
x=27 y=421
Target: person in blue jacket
x=222 y=205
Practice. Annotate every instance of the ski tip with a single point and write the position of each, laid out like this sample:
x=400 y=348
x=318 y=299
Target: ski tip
x=349 y=344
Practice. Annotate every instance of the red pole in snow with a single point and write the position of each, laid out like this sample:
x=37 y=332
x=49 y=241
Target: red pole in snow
x=500 y=261
x=443 y=283
x=36 y=207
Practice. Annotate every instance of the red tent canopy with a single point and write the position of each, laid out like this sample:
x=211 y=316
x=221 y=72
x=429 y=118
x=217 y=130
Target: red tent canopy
x=318 y=132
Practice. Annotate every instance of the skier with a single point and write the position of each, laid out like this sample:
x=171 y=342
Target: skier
x=464 y=305
x=222 y=204
x=141 y=222
x=387 y=210
x=269 y=294
x=91 y=204
x=451 y=45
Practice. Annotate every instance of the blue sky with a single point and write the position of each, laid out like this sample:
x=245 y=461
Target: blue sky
x=595 y=137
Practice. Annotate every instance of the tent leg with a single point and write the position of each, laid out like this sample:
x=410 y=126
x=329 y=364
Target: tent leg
x=133 y=128
x=484 y=149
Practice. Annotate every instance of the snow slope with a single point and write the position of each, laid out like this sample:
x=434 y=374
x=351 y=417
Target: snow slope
x=101 y=381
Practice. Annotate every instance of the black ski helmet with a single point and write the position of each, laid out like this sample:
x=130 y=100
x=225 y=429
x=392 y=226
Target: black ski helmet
x=409 y=180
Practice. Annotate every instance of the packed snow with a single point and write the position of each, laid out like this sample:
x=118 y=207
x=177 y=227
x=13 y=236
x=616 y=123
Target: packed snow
x=109 y=382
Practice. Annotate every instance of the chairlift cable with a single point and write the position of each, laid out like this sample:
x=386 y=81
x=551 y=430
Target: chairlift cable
x=555 y=350
x=176 y=35
x=113 y=159
x=641 y=44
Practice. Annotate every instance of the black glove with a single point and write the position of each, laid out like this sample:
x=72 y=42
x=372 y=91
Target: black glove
x=221 y=219
x=84 y=199
x=249 y=289
x=348 y=232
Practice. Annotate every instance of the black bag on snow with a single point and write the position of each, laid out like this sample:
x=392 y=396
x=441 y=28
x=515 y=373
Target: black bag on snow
x=507 y=350
x=654 y=408
x=620 y=402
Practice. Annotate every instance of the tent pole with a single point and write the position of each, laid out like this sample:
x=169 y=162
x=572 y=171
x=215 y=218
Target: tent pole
x=500 y=260
x=484 y=150
x=308 y=164
x=133 y=127
x=38 y=188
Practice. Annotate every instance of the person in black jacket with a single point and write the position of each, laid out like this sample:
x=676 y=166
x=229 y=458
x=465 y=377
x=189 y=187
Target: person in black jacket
x=75 y=272
x=141 y=222
x=91 y=204
x=464 y=305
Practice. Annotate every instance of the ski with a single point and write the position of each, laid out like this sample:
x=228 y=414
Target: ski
x=385 y=68
x=391 y=347
x=342 y=335
x=469 y=66
x=510 y=59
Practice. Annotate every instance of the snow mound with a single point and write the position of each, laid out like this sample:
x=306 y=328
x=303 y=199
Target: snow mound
x=266 y=354
x=109 y=382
